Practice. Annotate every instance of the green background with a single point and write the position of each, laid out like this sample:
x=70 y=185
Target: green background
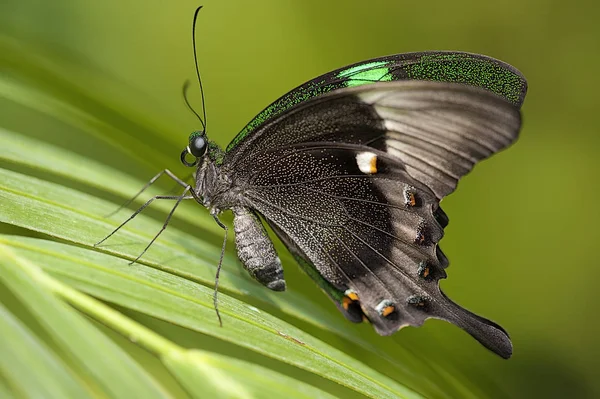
x=523 y=236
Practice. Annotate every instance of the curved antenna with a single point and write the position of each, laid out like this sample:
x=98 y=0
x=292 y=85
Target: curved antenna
x=186 y=86
x=196 y=63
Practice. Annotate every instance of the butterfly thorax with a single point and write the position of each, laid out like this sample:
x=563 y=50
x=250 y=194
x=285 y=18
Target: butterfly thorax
x=214 y=185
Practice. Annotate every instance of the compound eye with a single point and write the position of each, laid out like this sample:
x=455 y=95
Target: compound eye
x=198 y=146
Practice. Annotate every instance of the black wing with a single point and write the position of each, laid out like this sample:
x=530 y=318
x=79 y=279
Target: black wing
x=351 y=181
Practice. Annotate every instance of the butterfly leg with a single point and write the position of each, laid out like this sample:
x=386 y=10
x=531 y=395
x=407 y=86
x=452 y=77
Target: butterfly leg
x=215 y=300
x=152 y=181
x=256 y=250
x=167 y=220
x=177 y=198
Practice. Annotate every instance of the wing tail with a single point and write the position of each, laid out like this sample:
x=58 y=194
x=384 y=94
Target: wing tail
x=488 y=333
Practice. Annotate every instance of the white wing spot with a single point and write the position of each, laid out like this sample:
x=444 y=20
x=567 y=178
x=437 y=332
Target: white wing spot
x=367 y=162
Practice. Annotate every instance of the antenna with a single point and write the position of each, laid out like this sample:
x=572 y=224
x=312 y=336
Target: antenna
x=186 y=86
x=202 y=120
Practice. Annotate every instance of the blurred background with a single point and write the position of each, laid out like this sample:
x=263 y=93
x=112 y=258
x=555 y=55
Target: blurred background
x=523 y=235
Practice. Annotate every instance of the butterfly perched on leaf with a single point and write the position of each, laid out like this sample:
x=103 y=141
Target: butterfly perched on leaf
x=349 y=168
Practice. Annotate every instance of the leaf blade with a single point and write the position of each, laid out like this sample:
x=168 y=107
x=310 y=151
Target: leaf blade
x=178 y=304
x=23 y=355
x=62 y=324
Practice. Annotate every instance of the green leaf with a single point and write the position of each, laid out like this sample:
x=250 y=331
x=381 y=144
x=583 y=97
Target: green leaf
x=93 y=355
x=236 y=378
x=186 y=304
x=24 y=355
x=201 y=373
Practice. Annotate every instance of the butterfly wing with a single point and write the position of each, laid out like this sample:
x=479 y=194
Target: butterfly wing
x=437 y=131
x=443 y=66
x=351 y=182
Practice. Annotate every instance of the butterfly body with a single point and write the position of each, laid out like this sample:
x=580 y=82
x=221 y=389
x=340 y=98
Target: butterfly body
x=256 y=250
x=349 y=169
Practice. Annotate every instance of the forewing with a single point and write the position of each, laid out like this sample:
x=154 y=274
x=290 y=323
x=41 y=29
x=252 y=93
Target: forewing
x=441 y=66
x=354 y=192
x=437 y=131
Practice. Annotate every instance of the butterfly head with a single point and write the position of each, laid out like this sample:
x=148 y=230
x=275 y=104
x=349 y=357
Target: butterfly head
x=197 y=146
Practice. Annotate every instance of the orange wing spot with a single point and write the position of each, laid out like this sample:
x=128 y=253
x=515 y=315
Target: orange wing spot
x=410 y=197
x=346 y=302
x=420 y=238
x=353 y=296
x=425 y=271
x=373 y=165
x=388 y=310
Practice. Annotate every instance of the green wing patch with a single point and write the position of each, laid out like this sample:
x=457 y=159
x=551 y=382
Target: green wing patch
x=443 y=66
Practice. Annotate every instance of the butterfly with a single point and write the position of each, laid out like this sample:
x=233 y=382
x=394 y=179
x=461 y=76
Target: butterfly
x=349 y=169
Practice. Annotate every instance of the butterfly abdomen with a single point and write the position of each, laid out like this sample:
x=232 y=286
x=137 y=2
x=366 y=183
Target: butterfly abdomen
x=256 y=250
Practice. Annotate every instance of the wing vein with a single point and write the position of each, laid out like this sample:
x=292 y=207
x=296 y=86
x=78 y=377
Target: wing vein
x=327 y=254
x=327 y=226
x=431 y=140
x=339 y=197
x=396 y=267
x=375 y=276
x=426 y=162
x=436 y=120
x=388 y=234
x=310 y=181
